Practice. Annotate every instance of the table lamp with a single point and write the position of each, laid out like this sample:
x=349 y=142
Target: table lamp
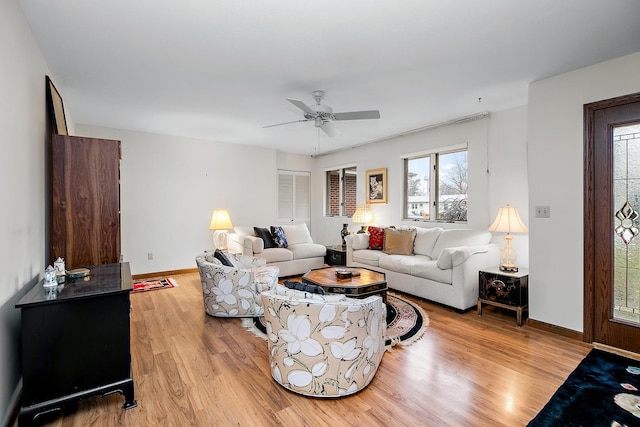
x=220 y=223
x=508 y=221
x=362 y=215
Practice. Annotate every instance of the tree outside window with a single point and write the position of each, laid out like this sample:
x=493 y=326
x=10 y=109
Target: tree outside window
x=436 y=186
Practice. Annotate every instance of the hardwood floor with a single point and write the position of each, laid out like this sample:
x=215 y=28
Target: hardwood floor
x=193 y=369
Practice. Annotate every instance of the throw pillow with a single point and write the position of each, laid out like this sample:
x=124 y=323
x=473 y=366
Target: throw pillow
x=314 y=289
x=376 y=237
x=278 y=237
x=398 y=242
x=265 y=235
x=222 y=257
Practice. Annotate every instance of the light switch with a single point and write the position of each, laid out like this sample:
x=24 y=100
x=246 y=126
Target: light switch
x=543 y=212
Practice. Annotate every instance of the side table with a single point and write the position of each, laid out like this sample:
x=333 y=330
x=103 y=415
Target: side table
x=505 y=290
x=336 y=255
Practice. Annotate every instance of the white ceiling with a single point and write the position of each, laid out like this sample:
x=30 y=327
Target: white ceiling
x=221 y=69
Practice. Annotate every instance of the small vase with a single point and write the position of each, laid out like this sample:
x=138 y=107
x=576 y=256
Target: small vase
x=343 y=233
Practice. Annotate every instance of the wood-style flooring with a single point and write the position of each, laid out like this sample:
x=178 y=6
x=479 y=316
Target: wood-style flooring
x=191 y=369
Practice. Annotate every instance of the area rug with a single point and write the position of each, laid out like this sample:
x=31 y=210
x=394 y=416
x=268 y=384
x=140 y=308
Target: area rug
x=152 y=285
x=406 y=322
x=601 y=391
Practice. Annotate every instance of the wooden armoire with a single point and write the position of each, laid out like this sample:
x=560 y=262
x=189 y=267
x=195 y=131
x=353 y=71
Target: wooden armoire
x=85 y=216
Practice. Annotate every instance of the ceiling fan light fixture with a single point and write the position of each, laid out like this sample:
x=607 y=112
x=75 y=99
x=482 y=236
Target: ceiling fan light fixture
x=322 y=115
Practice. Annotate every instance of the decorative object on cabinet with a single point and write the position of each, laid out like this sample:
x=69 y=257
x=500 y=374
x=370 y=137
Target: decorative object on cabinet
x=508 y=221
x=344 y=233
x=505 y=290
x=376 y=182
x=85 y=194
x=362 y=215
x=76 y=341
x=221 y=224
x=56 y=108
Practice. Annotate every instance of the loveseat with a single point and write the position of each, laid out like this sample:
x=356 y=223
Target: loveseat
x=294 y=253
x=436 y=264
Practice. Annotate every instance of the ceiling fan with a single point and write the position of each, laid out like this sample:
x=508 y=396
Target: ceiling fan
x=322 y=115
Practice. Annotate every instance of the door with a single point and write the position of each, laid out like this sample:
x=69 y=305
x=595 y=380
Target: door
x=612 y=222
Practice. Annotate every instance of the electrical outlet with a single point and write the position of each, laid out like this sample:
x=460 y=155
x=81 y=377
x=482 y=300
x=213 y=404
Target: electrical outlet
x=150 y=256
x=543 y=212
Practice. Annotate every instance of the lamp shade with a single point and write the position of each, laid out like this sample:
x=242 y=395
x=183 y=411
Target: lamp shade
x=362 y=215
x=508 y=221
x=220 y=220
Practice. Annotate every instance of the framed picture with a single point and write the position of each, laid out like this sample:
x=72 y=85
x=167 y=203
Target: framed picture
x=376 y=184
x=56 y=109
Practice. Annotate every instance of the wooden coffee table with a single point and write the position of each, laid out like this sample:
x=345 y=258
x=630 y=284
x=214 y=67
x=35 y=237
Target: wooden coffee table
x=368 y=283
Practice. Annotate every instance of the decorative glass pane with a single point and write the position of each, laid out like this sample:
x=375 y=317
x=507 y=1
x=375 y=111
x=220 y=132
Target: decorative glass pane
x=626 y=224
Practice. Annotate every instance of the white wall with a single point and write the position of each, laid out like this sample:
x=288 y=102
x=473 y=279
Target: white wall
x=555 y=136
x=169 y=186
x=22 y=188
x=497 y=174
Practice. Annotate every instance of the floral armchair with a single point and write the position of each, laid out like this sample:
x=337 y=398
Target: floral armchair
x=323 y=345
x=234 y=291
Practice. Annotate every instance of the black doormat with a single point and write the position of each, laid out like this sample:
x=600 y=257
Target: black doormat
x=601 y=391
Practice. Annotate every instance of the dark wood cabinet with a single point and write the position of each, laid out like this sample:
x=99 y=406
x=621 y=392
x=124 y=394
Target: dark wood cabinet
x=336 y=255
x=76 y=341
x=505 y=290
x=85 y=216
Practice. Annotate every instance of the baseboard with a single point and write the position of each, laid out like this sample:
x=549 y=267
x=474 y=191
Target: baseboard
x=548 y=327
x=164 y=273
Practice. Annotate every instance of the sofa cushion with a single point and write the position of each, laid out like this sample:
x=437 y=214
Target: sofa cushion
x=305 y=287
x=376 y=237
x=368 y=257
x=222 y=257
x=460 y=237
x=299 y=297
x=399 y=242
x=278 y=236
x=425 y=241
x=429 y=270
x=401 y=263
x=453 y=257
x=265 y=235
x=358 y=241
x=276 y=255
x=246 y=261
x=244 y=231
x=297 y=233
x=307 y=250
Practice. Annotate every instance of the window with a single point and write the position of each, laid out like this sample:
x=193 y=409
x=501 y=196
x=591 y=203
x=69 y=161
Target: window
x=341 y=185
x=436 y=185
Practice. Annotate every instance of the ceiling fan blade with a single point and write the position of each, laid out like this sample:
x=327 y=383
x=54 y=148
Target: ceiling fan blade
x=329 y=129
x=285 y=123
x=357 y=115
x=301 y=105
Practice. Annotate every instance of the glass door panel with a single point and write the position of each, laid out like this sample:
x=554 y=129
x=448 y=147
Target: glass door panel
x=626 y=213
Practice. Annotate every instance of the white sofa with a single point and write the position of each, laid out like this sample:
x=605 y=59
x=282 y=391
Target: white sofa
x=443 y=266
x=300 y=256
